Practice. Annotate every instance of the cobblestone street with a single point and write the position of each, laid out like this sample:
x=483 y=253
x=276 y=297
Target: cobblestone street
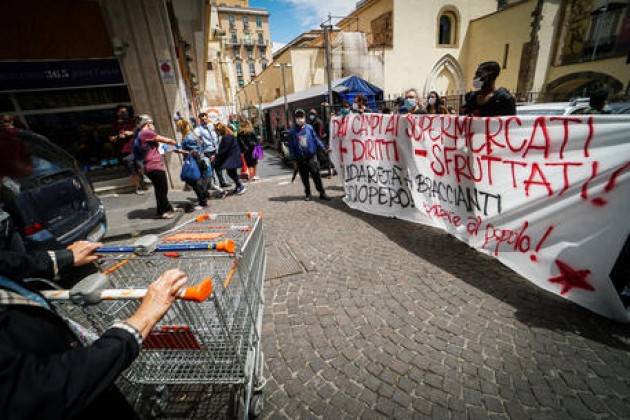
x=372 y=317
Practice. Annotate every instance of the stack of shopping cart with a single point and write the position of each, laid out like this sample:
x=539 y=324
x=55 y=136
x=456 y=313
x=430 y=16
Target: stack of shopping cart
x=203 y=359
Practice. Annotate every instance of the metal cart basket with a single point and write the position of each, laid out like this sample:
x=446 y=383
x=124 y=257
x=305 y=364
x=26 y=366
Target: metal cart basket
x=206 y=344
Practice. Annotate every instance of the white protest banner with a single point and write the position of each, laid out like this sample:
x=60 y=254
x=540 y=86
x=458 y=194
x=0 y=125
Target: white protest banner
x=547 y=196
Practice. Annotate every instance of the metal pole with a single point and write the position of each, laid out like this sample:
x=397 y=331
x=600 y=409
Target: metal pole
x=260 y=121
x=286 y=105
x=327 y=27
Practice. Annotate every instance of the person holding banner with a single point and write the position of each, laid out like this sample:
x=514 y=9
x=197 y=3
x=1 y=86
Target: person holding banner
x=486 y=100
x=304 y=145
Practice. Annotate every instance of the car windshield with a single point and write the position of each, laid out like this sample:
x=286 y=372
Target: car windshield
x=541 y=111
x=48 y=159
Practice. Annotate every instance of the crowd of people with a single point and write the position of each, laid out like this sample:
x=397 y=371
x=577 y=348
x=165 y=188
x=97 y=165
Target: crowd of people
x=208 y=151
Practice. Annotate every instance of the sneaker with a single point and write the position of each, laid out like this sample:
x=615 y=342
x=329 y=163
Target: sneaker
x=167 y=215
x=324 y=197
x=307 y=198
x=198 y=207
x=240 y=190
x=255 y=178
x=139 y=192
x=225 y=185
x=178 y=210
x=334 y=172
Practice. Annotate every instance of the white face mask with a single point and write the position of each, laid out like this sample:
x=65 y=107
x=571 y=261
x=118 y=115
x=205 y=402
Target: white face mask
x=355 y=106
x=477 y=83
x=431 y=101
x=300 y=121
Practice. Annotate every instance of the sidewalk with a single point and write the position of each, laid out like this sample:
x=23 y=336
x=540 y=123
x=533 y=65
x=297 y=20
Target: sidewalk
x=130 y=215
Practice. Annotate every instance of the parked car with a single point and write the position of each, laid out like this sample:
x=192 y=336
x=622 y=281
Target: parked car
x=553 y=108
x=619 y=107
x=56 y=204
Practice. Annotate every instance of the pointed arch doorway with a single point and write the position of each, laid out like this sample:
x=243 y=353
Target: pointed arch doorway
x=446 y=76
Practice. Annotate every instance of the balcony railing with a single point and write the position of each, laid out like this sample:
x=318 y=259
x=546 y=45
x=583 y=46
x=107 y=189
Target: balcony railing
x=248 y=42
x=263 y=43
x=233 y=41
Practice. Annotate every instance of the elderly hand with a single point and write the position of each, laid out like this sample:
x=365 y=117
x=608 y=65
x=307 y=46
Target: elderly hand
x=159 y=298
x=83 y=252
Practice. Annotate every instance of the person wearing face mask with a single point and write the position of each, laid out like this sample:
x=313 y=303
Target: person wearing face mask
x=304 y=145
x=434 y=104
x=345 y=109
x=359 y=106
x=411 y=104
x=123 y=135
x=486 y=100
x=321 y=130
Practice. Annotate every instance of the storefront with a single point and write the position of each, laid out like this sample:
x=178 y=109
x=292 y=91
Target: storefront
x=72 y=102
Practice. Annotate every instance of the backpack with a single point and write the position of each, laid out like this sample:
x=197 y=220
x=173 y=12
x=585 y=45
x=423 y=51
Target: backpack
x=138 y=151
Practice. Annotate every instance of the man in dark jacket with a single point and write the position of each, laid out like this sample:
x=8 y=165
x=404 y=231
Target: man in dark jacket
x=45 y=372
x=304 y=145
x=486 y=100
x=322 y=132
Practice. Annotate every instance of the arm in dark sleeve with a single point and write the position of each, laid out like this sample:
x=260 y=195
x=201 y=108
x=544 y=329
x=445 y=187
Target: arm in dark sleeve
x=468 y=103
x=62 y=385
x=34 y=264
x=318 y=142
x=294 y=149
x=511 y=105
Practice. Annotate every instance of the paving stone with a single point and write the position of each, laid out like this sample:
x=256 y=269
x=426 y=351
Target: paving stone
x=393 y=316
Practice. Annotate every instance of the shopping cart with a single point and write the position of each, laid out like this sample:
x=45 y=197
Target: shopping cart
x=212 y=345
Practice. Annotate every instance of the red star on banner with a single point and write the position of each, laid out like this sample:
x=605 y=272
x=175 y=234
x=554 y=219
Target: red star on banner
x=570 y=278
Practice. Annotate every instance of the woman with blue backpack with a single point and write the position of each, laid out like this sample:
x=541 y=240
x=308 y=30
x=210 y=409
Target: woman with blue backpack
x=195 y=169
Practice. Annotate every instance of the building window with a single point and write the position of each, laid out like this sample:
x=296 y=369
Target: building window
x=239 y=68
x=252 y=68
x=382 y=31
x=234 y=40
x=277 y=92
x=264 y=64
x=259 y=21
x=245 y=22
x=447 y=28
x=232 y=21
x=209 y=66
x=261 y=39
x=506 y=52
x=250 y=54
x=241 y=82
x=603 y=34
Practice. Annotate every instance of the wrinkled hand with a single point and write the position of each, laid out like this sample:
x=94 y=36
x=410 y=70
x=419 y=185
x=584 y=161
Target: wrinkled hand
x=83 y=252
x=158 y=300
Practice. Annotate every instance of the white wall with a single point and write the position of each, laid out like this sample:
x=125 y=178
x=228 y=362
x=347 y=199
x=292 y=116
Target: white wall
x=415 y=50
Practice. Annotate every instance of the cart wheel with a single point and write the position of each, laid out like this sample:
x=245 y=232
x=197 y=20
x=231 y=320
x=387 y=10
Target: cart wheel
x=256 y=405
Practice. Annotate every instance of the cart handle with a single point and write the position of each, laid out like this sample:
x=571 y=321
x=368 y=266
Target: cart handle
x=226 y=245
x=197 y=293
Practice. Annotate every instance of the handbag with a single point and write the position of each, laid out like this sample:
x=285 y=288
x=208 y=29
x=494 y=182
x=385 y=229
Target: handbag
x=258 y=152
x=190 y=170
